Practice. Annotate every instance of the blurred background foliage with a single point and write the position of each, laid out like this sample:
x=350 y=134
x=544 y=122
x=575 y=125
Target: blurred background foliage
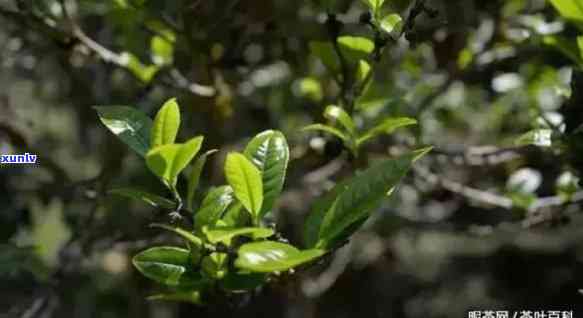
x=490 y=220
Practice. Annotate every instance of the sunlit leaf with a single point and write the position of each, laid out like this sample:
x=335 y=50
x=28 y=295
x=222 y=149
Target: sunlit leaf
x=569 y=9
x=335 y=113
x=391 y=22
x=245 y=179
x=169 y=160
x=270 y=154
x=128 y=124
x=213 y=206
x=166 y=124
x=226 y=234
x=269 y=256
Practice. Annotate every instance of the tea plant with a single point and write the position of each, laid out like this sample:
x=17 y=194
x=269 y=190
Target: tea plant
x=229 y=247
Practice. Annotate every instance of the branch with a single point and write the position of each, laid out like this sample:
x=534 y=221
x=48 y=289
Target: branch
x=492 y=199
x=64 y=39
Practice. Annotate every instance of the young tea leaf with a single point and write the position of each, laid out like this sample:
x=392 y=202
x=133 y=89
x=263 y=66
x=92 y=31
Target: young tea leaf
x=270 y=154
x=388 y=126
x=327 y=129
x=245 y=179
x=128 y=124
x=169 y=160
x=226 y=234
x=213 y=206
x=335 y=113
x=570 y=9
x=355 y=48
x=166 y=124
x=167 y=265
x=359 y=196
x=391 y=22
x=269 y=256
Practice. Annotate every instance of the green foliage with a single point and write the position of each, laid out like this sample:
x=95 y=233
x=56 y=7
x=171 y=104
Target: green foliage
x=128 y=124
x=246 y=181
x=214 y=206
x=354 y=200
x=351 y=136
x=166 y=124
x=270 y=154
x=268 y=257
x=228 y=246
x=570 y=9
x=168 y=161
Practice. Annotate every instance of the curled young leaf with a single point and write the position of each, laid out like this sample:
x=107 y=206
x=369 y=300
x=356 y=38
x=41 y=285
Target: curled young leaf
x=166 y=124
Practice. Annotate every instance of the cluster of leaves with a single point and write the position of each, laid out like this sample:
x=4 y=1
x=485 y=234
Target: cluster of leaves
x=228 y=245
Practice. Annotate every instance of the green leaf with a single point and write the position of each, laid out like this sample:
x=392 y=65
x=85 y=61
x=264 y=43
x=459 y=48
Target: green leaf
x=327 y=129
x=189 y=237
x=269 y=256
x=362 y=72
x=391 y=22
x=166 y=124
x=569 y=9
x=149 y=198
x=190 y=296
x=213 y=206
x=162 y=49
x=128 y=124
x=358 y=197
x=374 y=5
x=387 y=126
x=167 y=265
x=226 y=234
x=270 y=154
x=194 y=178
x=337 y=114
x=145 y=73
x=245 y=179
x=169 y=160
x=355 y=48
x=319 y=210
